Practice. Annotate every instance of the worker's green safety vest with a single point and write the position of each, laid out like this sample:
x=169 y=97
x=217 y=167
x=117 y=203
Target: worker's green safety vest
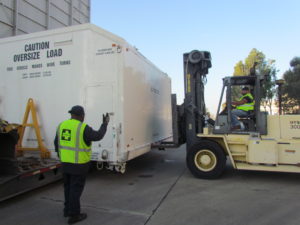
x=71 y=145
x=247 y=106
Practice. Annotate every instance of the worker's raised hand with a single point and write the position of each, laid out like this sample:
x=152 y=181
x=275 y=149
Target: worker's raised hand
x=105 y=118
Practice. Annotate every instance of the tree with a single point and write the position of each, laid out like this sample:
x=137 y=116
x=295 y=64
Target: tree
x=263 y=67
x=243 y=69
x=291 y=88
x=239 y=69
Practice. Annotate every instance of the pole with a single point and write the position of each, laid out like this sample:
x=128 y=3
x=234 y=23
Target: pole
x=280 y=83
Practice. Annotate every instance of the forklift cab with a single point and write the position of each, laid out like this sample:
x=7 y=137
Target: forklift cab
x=255 y=121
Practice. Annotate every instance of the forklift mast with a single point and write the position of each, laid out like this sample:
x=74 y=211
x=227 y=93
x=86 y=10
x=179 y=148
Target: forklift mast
x=196 y=65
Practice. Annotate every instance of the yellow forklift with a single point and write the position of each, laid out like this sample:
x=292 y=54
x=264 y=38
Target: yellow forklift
x=268 y=142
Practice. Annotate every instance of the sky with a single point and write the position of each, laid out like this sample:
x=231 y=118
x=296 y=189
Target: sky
x=163 y=30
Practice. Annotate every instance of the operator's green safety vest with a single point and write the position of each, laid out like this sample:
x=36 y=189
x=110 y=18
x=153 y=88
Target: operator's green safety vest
x=248 y=106
x=71 y=145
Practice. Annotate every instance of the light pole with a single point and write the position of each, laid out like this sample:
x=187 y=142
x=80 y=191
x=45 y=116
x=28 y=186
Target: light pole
x=280 y=83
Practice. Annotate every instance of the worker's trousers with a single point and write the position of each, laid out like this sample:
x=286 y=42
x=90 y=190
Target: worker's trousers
x=235 y=114
x=73 y=186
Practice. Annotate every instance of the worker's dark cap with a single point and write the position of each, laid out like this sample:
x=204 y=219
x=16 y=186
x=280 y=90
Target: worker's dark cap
x=245 y=89
x=77 y=110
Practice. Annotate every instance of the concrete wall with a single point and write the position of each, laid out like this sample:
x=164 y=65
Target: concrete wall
x=27 y=16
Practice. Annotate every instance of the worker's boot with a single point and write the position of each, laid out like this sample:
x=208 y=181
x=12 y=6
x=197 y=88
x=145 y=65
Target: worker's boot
x=77 y=218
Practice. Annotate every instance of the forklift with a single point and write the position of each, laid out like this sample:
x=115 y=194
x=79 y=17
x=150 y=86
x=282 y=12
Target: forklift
x=268 y=142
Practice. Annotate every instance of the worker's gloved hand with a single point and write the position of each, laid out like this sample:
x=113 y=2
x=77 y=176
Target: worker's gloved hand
x=105 y=118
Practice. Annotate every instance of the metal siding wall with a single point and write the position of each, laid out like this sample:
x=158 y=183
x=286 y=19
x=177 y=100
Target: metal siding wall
x=5 y=30
x=81 y=12
x=41 y=5
x=58 y=14
x=6 y=18
x=27 y=16
x=31 y=19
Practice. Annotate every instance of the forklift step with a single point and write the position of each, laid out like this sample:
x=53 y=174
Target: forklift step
x=236 y=143
x=236 y=154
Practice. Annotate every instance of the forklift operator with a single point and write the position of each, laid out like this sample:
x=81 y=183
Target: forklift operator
x=242 y=107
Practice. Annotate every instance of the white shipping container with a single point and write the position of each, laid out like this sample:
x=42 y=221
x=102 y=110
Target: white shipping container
x=86 y=65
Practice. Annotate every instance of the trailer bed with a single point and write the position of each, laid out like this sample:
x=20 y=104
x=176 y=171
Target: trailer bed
x=31 y=173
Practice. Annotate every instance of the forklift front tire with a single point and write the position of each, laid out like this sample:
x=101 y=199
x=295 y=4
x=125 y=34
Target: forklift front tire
x=206 y=159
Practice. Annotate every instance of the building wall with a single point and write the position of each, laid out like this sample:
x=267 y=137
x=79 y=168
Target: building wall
x=27 y=16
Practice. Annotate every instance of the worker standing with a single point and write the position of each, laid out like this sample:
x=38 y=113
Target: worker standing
x=243 y=107
x=73 y=144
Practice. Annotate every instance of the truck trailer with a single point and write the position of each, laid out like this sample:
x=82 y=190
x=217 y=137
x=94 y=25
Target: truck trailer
x=21 y=173
x=86 y=65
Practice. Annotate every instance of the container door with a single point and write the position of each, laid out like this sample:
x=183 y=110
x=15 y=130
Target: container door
x=99 y=100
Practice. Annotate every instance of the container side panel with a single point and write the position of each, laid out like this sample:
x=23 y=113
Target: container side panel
x=102 y=91
x=47 y=69
x=99 y=101
x=147 y=103
x=2 y=105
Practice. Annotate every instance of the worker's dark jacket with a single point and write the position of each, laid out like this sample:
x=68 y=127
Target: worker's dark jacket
x=89 y=135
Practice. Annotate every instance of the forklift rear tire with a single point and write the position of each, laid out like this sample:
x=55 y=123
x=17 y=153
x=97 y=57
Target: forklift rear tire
x=206 y=159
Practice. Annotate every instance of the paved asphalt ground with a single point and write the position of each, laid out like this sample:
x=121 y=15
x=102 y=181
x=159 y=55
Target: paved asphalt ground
x=157 y=189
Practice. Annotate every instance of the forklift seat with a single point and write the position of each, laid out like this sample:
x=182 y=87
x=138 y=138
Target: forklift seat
x=249 y=121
